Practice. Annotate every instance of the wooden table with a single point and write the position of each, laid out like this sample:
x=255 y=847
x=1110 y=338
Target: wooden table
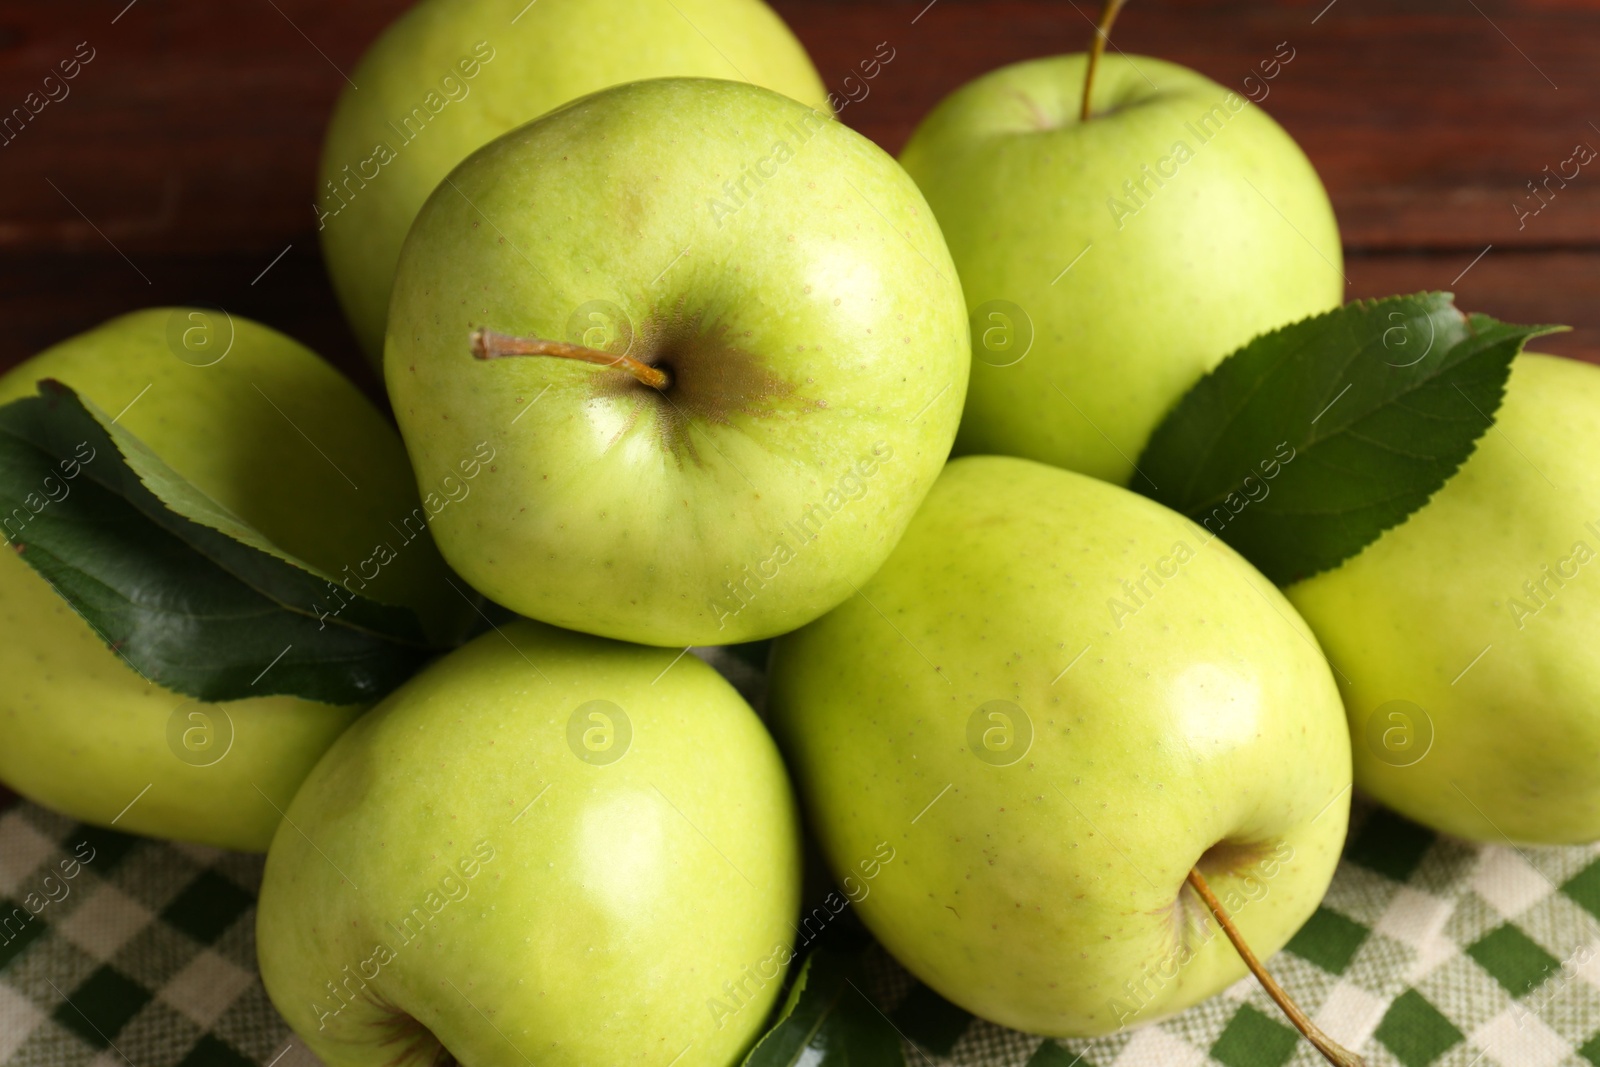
x=181 y=165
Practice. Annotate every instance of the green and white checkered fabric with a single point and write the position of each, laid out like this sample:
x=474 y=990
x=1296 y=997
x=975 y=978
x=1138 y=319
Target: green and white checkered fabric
x=1426 y=951
x=120 y=950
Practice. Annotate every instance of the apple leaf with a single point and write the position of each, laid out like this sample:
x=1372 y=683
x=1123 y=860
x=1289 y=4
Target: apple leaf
x=185 y=591
x=828 y=1022
x=929 y=1021
x=1303 y=446
x=1050 y=1054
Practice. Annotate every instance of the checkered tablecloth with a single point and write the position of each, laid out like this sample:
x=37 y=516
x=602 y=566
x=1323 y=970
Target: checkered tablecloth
x=1426 y=951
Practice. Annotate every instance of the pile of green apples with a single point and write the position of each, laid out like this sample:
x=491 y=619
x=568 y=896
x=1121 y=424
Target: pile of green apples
x=678 y=360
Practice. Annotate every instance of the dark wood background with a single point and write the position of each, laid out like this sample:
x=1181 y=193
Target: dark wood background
x=182 y=163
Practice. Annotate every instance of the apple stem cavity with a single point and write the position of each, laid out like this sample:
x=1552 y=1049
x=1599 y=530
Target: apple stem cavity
x=491 y=344
x=1334 y=1052
x=1102 y=34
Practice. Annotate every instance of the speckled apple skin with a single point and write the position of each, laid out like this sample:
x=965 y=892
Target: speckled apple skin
x=449 y=76
x=1129 y=297
x=571 y=913
x=811 y=319
x=1475 y=621
x=1042 y=887
x=82 y=732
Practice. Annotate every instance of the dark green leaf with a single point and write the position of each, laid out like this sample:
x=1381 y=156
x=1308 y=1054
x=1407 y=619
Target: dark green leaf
x=1310 y=441
x=191 y=596
x=1051 y=1054
x=754 y=653
x=828 y=1022
x=930 y=1021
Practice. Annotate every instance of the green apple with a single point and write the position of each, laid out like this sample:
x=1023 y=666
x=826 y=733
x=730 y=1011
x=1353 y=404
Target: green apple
x=785 y=345
x=546 y=848
x=281 y=439
x=452 y=75
x=1108 y=264
x=1055 y=699
x=1464 y=638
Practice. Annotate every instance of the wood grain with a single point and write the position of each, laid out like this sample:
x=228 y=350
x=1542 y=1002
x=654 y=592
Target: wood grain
x=181 y=162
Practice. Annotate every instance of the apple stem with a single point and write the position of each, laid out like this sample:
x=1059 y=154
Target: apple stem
x=1334 y=1052
x=1102 y=34
x=491 y=344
